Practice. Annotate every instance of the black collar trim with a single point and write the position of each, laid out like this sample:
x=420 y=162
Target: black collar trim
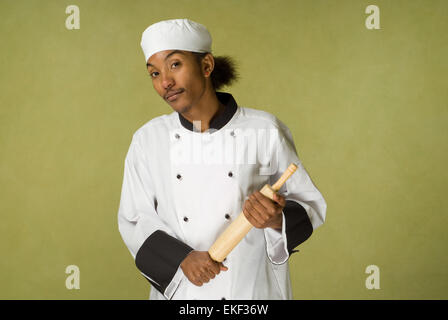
x=219 y=121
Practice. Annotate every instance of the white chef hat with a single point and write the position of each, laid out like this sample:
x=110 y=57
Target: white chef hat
x=175 y=34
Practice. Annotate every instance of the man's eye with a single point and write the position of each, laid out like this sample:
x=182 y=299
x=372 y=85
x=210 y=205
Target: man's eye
x=152 y=74
x=175 y=63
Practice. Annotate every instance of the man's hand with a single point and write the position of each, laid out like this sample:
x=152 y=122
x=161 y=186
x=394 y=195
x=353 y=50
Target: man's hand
x=199 y=267
x=262 y=212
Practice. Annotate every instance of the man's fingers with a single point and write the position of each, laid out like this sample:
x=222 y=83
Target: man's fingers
x=252 y=215
x=213 y=265
x=264 y=211
x=205 y=272
x=210 y=274
x=195 y=279
x=216 y=268
x=197 y=283
x=271 y=205
x=280 y=199
x=205 y=278
x=262 y=199
x=200 y=268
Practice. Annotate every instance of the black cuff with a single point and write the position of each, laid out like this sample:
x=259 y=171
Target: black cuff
x=159 y=258
x=298 y=225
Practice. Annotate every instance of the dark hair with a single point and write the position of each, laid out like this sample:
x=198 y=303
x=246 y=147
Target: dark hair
x=224 y=73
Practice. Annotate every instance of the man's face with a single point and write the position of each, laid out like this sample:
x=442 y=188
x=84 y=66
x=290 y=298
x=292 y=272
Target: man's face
x=176 y=71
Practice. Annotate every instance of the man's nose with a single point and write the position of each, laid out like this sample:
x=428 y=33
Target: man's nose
x=167 y=81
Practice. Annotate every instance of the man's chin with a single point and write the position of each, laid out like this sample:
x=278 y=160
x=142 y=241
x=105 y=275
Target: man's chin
x=181 y=109
x=178 y=106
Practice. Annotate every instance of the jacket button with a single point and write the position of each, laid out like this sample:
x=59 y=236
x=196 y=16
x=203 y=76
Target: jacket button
x=177 y=136
x=185 y=219
x=232 y=133
x=223 y=298
x=227 y=216
x=230 y=174
x=178 y=176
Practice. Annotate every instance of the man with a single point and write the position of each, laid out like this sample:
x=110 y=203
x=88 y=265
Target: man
x=188 y=174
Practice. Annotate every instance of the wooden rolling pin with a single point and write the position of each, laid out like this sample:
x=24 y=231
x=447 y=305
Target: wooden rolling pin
x=241 y=226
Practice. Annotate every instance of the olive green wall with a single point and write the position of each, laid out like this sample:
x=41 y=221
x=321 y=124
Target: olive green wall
x=367 y=108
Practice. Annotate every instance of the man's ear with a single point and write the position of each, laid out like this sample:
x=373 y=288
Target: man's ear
x=208 y=64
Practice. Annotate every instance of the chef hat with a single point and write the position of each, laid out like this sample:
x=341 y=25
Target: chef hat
x=180 y=34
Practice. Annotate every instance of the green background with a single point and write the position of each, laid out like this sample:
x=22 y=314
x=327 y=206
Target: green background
x=367 y=109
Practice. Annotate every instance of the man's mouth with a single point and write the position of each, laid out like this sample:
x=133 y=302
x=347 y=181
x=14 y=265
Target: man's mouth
x=173 y=95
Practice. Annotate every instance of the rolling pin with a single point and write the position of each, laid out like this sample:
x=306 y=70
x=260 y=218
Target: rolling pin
x=238 y=229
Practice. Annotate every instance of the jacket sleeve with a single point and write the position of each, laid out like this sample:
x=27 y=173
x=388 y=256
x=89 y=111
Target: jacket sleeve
x=305 y=208
x=153 y=245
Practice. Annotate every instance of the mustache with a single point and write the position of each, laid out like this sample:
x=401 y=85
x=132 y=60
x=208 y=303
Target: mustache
x=172 y=92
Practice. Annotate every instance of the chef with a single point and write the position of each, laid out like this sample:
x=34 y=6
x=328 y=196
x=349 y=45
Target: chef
x=188 y=175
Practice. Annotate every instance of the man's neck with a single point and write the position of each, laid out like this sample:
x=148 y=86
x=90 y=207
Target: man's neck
x=208 y=108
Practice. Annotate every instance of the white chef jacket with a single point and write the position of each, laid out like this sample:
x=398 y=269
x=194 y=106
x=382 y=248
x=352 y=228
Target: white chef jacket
x=182 y=188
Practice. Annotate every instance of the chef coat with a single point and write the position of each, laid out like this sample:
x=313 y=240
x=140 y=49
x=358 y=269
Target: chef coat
x=182 y=188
